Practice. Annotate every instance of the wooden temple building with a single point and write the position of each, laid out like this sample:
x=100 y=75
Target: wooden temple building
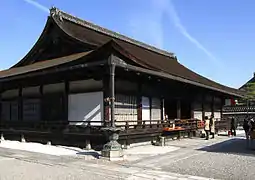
x=80 y=77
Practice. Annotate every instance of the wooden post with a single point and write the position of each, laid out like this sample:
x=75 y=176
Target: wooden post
x=162 y=109
x=191 y=109
x=66 y=92
x=0 y=107
x=203 y=106
x=139 y=103
x=212 y=105
x=178 y=109
x=221 y=107
x=20 y=105
x=106 y=90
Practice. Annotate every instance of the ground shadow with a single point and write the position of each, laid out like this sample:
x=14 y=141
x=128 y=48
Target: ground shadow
x=84 y=153
x=94 y=154
x=231 y=146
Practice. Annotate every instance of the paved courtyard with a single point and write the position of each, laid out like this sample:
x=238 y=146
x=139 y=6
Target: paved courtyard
x=221 y=158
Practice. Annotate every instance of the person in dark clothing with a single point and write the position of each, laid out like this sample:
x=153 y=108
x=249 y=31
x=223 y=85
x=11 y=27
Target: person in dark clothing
x=233 y=126
x=247 y=126
x=212 y=126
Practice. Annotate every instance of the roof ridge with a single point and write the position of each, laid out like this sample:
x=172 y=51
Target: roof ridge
x=56 y=12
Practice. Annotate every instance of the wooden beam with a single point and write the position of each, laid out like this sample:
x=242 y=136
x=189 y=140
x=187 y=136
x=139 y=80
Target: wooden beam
x=52 y=70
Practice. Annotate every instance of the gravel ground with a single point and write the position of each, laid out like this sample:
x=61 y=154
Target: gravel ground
x=228 y=160
x=221 y=158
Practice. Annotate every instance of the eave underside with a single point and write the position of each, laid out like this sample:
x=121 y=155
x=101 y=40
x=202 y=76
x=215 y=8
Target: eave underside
x=130 y=62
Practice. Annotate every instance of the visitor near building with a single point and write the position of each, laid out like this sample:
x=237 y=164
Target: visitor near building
x=212 y=126
x=207 y=127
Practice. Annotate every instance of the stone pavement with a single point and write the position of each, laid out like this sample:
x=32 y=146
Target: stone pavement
x=25 y=166
x=193 y=159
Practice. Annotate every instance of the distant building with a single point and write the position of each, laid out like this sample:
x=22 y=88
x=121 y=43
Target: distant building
x=238 y=107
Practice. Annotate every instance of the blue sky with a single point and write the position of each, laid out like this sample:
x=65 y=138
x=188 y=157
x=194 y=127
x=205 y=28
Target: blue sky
x=214 y=38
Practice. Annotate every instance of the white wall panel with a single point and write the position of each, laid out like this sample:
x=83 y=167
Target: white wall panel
x=208 y=114
x=198 y=115
x=217 y=115
x=146 y=108
x=85 y=107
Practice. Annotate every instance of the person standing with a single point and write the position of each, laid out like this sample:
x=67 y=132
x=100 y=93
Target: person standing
x=212 y=126
x=233 y=126
x=207 y=127
x=247 y=126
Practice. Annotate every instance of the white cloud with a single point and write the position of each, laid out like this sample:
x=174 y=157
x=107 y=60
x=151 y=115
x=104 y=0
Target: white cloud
x=150 y=27
x=172 y=14
x=147 y=25
x=38 y=5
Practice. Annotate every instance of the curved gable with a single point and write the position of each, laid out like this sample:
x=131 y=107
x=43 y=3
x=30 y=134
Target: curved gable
x=52 y=43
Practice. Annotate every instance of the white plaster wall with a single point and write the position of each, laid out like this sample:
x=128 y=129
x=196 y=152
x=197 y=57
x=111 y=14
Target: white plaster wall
x=198 y=115
x=208 y=114
x=146 y=109
x=85 y=107
x=217 y=115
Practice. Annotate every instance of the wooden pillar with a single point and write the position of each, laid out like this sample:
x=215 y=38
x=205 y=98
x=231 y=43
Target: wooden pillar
x=0 y=106
x=139 y=103
x=162 y=108
x=106 y=90
x=42 y=104
x=212 y=105
x=221 y=107
x=112 y=93
x=20 y=105
x=150 y=99
x=178 y=109
x=192 y=109
x=66 y=92
x=203 y=106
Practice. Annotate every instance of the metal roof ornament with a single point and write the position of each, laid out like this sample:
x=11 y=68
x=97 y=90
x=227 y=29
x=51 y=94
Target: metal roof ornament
x=55 y=12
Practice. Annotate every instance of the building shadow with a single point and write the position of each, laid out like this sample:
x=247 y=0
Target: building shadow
x=90 y=153
x=85 y=152
x=232 y=146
